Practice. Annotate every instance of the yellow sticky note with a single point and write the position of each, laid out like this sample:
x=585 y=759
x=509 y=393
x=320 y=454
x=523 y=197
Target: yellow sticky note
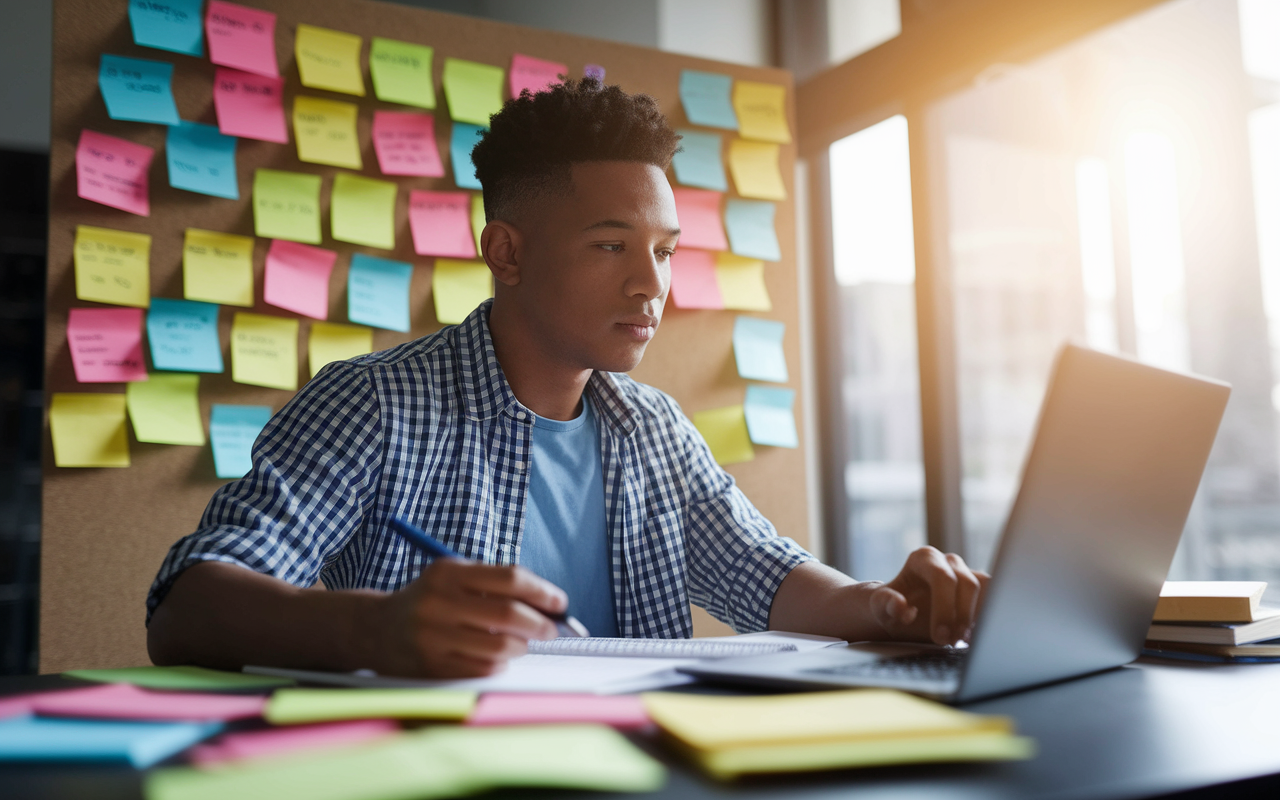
x=264 y=351
x=762 y=111
x=293 y=706
x=741 y=282
x=217 y=267
x=329 y=59
x=334 y=342
x=725 y=430
x=755 y=170
x=165 y=409
x=113 y=266
x=477 y=219
x=326 y=131
x=286 y=205
x=89 y=430
x=474 y=90
x=458 y=287
x=363 y=211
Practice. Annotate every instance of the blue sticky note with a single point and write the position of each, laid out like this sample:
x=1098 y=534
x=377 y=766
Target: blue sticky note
x=232 y=432
x=463 y=138
x=770 y=420
x=137 y=89
x=706 y=99
x=378 y=292
x=184 y=335
x=174 y=25
x=699 y=162
x=757 y=347
x=202 y=160
x=750 y=227
x=139 y=744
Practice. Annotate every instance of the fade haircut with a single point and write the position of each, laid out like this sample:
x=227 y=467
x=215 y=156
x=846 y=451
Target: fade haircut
x=532 y=143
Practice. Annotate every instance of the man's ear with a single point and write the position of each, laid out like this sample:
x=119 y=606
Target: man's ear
x=501 y=246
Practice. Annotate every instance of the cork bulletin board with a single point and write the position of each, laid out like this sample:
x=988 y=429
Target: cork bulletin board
x=106 y=530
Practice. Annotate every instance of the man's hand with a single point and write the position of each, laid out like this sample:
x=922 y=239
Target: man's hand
x=935 y=598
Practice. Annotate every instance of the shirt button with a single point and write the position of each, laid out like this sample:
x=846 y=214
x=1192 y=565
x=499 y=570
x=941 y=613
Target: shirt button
x=520 y=415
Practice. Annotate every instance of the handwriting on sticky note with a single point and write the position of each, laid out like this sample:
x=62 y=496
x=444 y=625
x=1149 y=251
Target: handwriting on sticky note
x=184 y=335
x=699 y=213
x=286 y=205
x=232 y=431
x=741 y=282
x=751 y=231
x=166 y=409
x=406 y=144
x=106 y=344
x=534 y=74
x=168 y=25
x=706 y=100
x=138 y=89
x=329 y=59
x=693 y=279
x=762 y=111
x=770 y=420
x=458 y=287
x=202 y=160
x=217 y=267
x=242 y=38
x=264 y=351
x=378 y=292
x=473 y=90
x=462 y=139
x=698 y=162
x=331 y=341
x=439 y=222
x=113 y=172
x=363 y=211
x=326 y=132
x=401 y=72
x=250 y=106
x=757 y=348
x=113 y=266
x=725 y=432
x=89 y=430
x=297 y=278
x=755 y=169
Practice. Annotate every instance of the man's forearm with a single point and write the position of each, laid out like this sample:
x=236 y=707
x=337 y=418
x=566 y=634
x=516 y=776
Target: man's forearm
x=817 y=599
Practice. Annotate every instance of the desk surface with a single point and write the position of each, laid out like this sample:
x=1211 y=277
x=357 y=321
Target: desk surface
x=1149 y=729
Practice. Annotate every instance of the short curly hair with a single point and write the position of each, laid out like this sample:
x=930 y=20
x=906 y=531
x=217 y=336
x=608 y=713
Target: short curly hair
x=534 y=140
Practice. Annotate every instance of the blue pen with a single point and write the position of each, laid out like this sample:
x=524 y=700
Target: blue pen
x=565 y=624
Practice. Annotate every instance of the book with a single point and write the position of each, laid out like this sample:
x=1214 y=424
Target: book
x=1209 y=601
x=1266 y=625
x=655 y=648
x=1268 y=648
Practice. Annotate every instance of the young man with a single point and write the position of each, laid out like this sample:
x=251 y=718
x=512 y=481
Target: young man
x=514 y=439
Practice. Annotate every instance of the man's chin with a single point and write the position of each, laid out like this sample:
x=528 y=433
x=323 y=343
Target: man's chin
x=622 y=361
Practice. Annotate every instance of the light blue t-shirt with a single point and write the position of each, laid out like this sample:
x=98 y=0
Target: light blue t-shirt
x=566 y=538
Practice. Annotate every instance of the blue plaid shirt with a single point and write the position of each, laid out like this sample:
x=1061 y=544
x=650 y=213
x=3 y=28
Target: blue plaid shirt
x=430 y=431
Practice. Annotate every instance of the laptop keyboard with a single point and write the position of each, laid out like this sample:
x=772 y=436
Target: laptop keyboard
x=936 y=665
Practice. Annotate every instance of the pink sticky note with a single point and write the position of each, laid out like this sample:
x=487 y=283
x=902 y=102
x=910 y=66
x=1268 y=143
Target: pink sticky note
x=250 y=105
x=106 y=344
x=700 y=224
x=279 y=741
x=441 y=224
x=15 y=706
x=298 y=278
x=113 y=172
x=406 y=144
x=125 y=701
x=620 y=711
x=240 y=37
x=693 y=279
x=534 y=74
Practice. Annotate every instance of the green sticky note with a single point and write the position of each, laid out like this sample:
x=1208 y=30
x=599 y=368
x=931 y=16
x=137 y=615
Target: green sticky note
x=363 y=211
x=292 y=706
x=474 y=91
x=725 y=431
x=286 y=205
x=264 y=351
x=183 y=678
x=402 y=72
x=165 y=408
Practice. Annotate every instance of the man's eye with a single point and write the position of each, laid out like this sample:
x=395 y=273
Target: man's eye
x=666 y=253
x=612 y=248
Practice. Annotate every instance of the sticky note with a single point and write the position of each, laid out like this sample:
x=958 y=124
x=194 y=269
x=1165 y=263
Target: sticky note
x=478 y=221
x=326 y=132
x=705 y=97
x=138 y=744
x=242 y=38
x=88 y=430
x=770 y=420
x=725 y=431
x=693 y=279
x=593 y=71
x=292 y=706
x=264 y=351
x=166 y=409
x=329 y=59
x=458 y=287
x=757 y=348
x=625 y=711
x=297 y=278
x=440 y=224
x=363 y=211
x=202 y=160
x=755 y=169
x=137 y=89
x=751 y=231
x=232 y=431
x=185 y=678
x=250 y=106
x=534 y=74
x=473 y=90
x=217 y=267
x=762 y=111
x=331 y=341
x=741 y=282
x=275 y=742
x=184 y=335
x=125 y=701
x=401 y=72
x=699 y=213
x=106 y=344
x=406 y=144
x=113 y=172
x=463 y=138
x=286 y=205
x=378 y=292
x=168 y=25
x=113 y=266
x=698 y=163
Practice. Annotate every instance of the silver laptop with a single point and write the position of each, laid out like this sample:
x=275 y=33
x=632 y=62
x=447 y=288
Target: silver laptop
x=1106 y=489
